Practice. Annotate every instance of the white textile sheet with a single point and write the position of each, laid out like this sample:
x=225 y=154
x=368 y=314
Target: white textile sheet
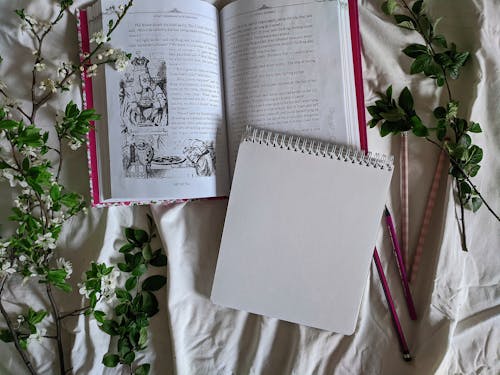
x=456 y=293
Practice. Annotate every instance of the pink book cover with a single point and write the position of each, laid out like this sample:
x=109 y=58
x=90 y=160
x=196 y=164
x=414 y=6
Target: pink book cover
x=83 y=33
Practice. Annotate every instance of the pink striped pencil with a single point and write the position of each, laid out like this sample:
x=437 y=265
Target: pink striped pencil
x=405 y=216
x=431 y=200
x=392 y=309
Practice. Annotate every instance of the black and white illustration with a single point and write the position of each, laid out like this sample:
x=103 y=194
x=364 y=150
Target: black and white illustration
x=143 y=96
x=147 y=156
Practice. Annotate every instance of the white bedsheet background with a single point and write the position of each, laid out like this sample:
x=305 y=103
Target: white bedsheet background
x=456 y=294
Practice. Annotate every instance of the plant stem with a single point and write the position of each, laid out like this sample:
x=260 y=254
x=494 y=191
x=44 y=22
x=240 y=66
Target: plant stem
x=57 y=318
x=455 y=164
x=429 y=45
x=12 y=331
x=463 y=238
x=73 y=313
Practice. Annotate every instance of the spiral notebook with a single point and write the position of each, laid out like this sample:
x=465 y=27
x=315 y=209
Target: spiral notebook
x=301 y=224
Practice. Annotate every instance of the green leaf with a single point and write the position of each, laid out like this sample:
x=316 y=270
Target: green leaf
x=110 y=360
x=23 y=343
x=129 y=358
x=124 y=267
x=418 y=128
x=131 y=283
x=142 y=369
x=147 y=253
x=475 y=127
x=99 y=316
x=440 y=40
x=110 y=327
x=404 y=21
x=143 y=337
x=472 y=169
x=420 y=64
x=8 y=124
x=154 y=283
x=441 y=130
x=37 y=317
x=141 y=236
x=159 y=259
x=393 y=115
x=386 y=128
x=439 y=112
x=465 y=140
x=388 y=93
x=121 y=309
x=127 y=248
x=415 y=50
x=389 y=7
x=452 y=110
x=476 y=204
x=149 y=303
x=417 y=7
x=123 y=295
x=6 y=336
x=139 y=270
x=406 y=100
x=475 y=154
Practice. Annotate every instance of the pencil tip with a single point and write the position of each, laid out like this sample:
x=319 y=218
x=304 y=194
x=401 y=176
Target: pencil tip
x=407 y=357
x=386 y=211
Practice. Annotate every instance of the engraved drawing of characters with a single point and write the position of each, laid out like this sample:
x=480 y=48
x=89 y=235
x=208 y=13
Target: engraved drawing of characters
x=144 y=102
x=202 y=157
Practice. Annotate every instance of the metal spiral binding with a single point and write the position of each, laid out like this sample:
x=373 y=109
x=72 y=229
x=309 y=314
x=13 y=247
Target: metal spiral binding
x=318 y=148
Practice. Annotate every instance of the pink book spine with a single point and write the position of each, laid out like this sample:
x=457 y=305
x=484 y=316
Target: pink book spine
x=358 y=75
x=88 y=102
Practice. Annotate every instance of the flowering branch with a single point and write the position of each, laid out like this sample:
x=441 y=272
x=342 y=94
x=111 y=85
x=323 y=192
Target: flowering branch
x=43 y=205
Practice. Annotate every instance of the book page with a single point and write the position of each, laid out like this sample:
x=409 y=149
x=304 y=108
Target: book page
x=166 y=121
x=283 y=69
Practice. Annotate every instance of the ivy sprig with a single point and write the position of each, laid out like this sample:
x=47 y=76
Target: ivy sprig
x=137 y=303
x=439 y=60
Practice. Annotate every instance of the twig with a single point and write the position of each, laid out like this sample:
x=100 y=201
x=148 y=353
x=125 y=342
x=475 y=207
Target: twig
x=57 y=318
x=455 y=164
x=74 y=313
x=13 y=333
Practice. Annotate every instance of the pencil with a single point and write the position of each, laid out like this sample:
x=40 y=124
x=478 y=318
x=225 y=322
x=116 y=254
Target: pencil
x=401 y=266
x=405 y=215
x=395 y=320
x=431 y=200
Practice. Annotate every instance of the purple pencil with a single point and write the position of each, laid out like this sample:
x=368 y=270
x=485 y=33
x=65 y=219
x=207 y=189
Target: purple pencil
x=401 y=265
x=390 y=302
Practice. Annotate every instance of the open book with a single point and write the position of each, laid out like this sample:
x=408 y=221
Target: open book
x=172 y=121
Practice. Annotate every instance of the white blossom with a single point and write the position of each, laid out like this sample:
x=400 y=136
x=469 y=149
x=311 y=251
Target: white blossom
x=31 y=20
x=99 y=37
x=21 y=204
x=83 y=290
x=62 y=70
x=108 y=284
x=3 y=248
x=8 y=268
x=46 y=241
x=30 y=151
x=48 y=84
x=40 y=67
x=37 y=336
x=66 y=265
x=121 y=60
x=74 y=144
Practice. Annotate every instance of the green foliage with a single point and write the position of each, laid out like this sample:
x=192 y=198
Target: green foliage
x=75 y=124
x=136 y=302
x=439 y=60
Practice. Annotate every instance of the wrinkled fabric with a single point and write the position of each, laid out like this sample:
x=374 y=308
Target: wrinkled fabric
x=456 y=293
